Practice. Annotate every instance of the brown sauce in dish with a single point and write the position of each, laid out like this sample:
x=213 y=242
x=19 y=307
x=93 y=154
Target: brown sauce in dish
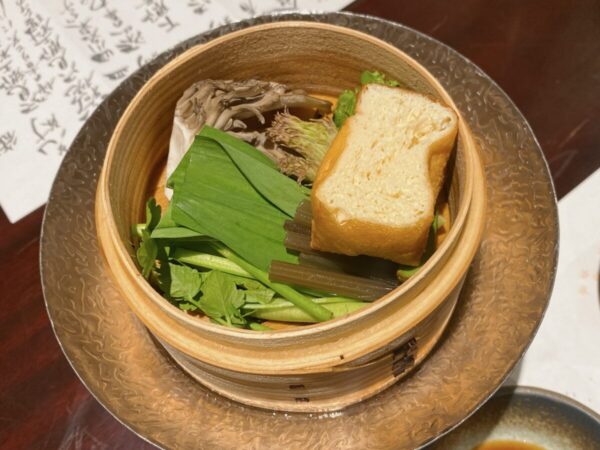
x=507 y=445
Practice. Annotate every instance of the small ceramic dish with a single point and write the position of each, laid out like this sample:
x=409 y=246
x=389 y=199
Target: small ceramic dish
x=524 y=417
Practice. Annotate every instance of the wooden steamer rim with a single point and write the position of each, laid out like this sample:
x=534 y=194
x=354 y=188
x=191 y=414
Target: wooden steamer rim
x=246 y=350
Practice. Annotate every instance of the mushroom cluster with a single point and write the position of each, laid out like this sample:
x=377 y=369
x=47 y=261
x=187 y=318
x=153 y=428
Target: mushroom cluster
x=228 y=105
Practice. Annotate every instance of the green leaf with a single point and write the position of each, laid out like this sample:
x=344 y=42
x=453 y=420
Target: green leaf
x=281 y=310
x=231 y=143
x=167 y=228
x=304 y=303
x=404 y=272
x=179 y=172
x=247 y=283
x=147 y=253
x=166 y=220
x=185 y=281
x=376 y=77
x=136 y=230
x=152 y=214
x=263 y=296
x=213 y=262
x=344 y=107
x=216 y=199
x=177 y=233
x=346 y=103
x=187 y=306
x=259 y=327
x=277 y=188
x=221 y=300
x=432 y=237
x=163 y=278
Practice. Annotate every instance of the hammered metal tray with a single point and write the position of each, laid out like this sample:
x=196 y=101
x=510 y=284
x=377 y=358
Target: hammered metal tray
x=500 y=307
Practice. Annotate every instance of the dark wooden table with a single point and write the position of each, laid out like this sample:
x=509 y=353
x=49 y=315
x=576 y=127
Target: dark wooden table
x=544 y=53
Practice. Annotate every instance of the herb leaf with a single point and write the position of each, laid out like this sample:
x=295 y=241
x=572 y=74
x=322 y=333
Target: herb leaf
x=344 y=107
x=221 y=300
x=187 y=306
x=152 y=214
x=376 y=77
x=185 y=281
x=258 y=295
x=346 y=103
x=247 y=283
x=301 y=301
x=147 y=252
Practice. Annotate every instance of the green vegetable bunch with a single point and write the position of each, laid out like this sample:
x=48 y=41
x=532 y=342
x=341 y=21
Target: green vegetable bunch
x=210 y=250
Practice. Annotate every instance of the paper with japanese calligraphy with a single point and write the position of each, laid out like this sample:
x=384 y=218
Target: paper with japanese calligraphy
x=60 y=58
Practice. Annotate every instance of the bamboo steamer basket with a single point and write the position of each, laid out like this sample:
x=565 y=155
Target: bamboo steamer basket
x=320 y=367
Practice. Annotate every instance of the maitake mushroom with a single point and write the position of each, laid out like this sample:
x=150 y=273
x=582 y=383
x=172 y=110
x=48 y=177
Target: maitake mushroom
x=225 y=104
